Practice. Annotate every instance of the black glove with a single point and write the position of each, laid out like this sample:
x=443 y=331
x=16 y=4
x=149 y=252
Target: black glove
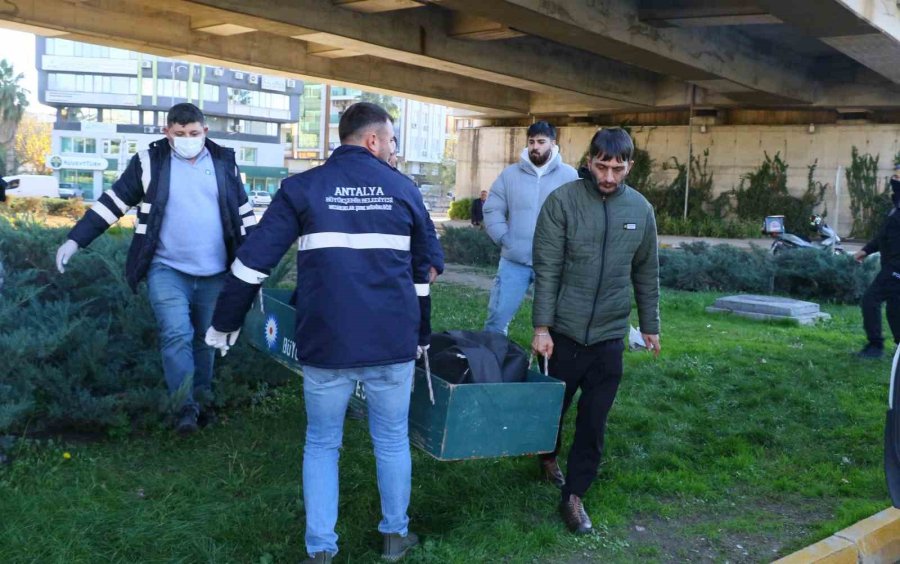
x=425 y=321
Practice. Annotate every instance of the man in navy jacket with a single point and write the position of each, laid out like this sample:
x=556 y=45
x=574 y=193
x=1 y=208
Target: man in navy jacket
x=363 y=312
x=192 y=215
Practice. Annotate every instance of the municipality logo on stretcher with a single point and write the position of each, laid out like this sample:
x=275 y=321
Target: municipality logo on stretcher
x=271 y=331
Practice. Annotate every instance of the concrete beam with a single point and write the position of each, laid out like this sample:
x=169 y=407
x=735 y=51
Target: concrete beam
x=465 y=26
x=700 y=13
x=223 y=29
x=419 y=37
x=867 y=31
x=611 y=28
x=127 y=24
x=552 y=104
x=376 y=6
x=328 y=51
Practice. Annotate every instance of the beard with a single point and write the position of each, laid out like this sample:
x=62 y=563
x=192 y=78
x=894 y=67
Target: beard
x=538 y=159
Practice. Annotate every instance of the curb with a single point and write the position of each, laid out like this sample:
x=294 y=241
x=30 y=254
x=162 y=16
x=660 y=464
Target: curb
x=875 y=540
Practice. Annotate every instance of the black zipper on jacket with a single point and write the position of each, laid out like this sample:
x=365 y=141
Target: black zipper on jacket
x=587 y=329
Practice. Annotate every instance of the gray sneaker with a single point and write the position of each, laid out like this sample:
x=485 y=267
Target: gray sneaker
x=318 y=558
x=396 y=546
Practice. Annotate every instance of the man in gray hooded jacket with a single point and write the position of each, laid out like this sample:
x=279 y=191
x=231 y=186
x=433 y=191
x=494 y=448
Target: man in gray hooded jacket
x=510 y=216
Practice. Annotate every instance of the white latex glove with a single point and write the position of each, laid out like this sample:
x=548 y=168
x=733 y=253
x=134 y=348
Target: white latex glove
x=420 y=350
x=64 y=253
x=219 y=340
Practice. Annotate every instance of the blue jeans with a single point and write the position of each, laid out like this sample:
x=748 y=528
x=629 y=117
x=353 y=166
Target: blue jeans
x=510 y=286
x=326 y=393
x=184 y=305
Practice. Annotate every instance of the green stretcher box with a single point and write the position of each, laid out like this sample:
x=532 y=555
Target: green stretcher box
x=466 y=421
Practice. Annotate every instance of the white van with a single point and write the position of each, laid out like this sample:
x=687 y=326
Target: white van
x=32 y=186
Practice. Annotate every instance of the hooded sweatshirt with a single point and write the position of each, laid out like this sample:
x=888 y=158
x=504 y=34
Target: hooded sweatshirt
x=887 y=240
x=515 y=200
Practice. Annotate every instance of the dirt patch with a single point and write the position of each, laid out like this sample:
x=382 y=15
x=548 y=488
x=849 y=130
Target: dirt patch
x=471 y=276
x=745 y=530
x=739 y=531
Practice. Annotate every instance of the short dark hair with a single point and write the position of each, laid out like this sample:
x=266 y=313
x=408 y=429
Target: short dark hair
x=185 y=113
x=360 y=116
x=612 y=143
x=542 y=128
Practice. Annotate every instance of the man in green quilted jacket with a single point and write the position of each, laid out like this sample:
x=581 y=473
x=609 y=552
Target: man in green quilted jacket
x=595 y=241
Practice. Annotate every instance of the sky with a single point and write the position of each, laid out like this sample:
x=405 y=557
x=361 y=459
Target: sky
x=17 y=47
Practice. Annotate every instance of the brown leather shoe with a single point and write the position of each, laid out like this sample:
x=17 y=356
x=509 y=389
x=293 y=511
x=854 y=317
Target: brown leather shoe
x=550 y=471
x=574 y=515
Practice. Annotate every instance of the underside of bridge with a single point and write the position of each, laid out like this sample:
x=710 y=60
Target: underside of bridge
x=515 y=60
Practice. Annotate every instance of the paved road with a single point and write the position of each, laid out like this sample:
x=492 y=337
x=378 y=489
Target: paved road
x=674 y=241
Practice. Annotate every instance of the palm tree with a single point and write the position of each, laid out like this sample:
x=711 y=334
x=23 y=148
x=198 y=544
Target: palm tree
x=12 y=107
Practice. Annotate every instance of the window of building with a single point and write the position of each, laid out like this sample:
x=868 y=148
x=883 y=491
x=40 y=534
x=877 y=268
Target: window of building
x=217 y=123
x=83 y=179
x=259 y=99
x=84 y=145
x=247 y=155
x=91 y=83
x=67 y=48
x=111 y=146
x=109 y=178
x=114 y=115
x=211 y=92
x=148 y=118
x=62 y=47
x=310 y=136
x=252 y=127
x=79 y=114
x=248 y=126
x=166 y=87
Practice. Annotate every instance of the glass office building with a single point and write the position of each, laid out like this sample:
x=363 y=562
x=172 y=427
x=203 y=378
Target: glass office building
x=112 y=103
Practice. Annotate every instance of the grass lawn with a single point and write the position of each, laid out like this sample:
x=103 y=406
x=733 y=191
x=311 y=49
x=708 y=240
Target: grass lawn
x=742 y=442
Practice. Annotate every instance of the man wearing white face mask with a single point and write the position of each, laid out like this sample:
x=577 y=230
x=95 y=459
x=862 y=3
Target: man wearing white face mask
x=192 y=216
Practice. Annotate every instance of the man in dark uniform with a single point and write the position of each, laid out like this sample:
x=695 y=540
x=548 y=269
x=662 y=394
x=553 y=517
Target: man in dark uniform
x=363 y=313
x=478 y=209
x=886 y=286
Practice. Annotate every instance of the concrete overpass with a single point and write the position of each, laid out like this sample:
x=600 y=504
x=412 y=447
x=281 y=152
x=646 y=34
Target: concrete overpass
x=509 y=59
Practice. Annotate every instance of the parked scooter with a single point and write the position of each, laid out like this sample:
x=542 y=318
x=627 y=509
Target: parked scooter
x=828 y=239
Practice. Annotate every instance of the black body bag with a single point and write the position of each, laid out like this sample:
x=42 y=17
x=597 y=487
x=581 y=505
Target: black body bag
x=476 y=357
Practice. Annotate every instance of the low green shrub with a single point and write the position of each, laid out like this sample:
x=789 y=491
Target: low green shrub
x=816 y=275
x=709 y=226
x=40 y=207
x=869 y=200
x=71 y=208
x=461 y=209
x=80 y=350
x=701 y=267
x=33 y=206
x=809 y=274
x=469 y=245
x=669 y=200
x=765 y=192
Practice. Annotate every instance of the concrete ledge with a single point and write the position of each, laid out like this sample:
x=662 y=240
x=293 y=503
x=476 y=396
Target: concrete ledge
x=875 y=540
x=833 y=550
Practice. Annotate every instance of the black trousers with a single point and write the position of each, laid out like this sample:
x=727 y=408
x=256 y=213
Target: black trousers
x=885 y=288
x=597 y=371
